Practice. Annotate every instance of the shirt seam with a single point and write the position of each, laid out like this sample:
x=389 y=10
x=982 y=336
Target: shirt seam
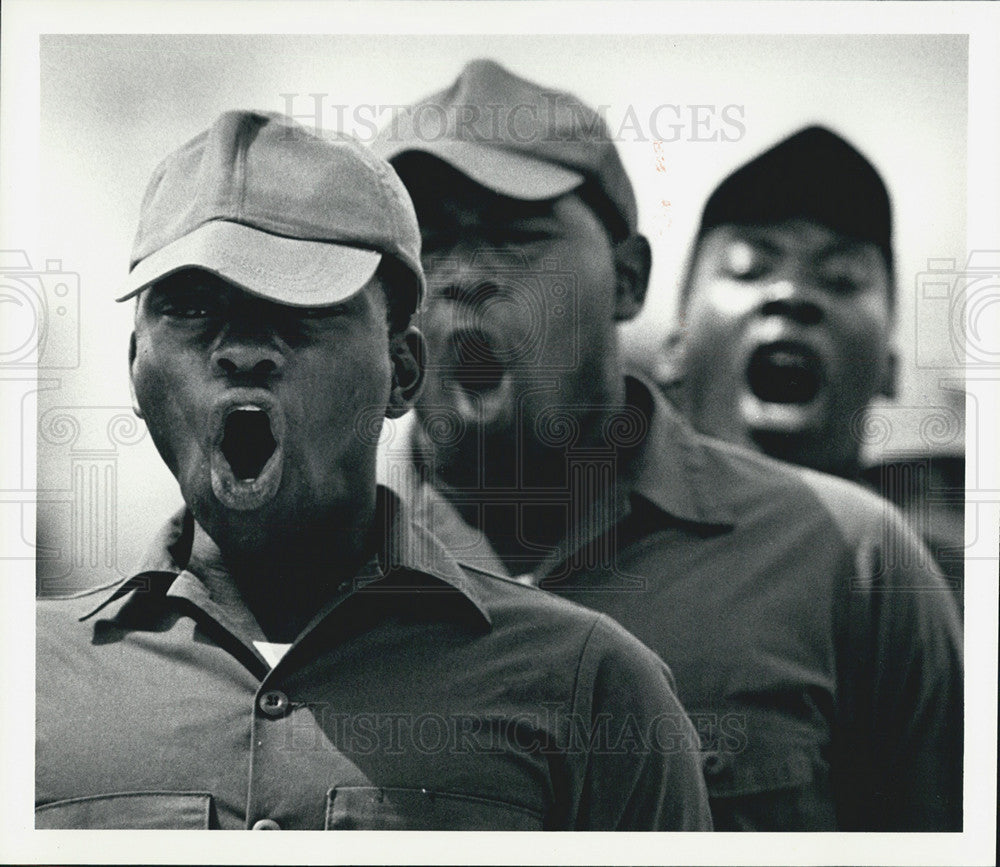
x=584 y=653
x=145 y=793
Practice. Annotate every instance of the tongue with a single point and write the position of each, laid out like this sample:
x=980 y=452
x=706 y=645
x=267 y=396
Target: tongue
x=779 y=375
x=247 y=442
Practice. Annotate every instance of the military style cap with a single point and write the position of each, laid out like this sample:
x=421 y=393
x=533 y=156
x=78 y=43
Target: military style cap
x=815 y=175
x=286 y=215
x=516 y=138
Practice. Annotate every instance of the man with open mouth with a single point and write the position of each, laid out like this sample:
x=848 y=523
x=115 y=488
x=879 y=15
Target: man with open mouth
x=812 y=638
x=298 y=652
x=786 y=324
x=788 y=304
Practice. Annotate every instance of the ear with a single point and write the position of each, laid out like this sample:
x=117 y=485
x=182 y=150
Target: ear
x=407 y=351
x=131 y=380
x=890 y=373
x=632 y=264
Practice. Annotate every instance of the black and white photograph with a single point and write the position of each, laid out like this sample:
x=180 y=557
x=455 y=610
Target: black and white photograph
x=500 y=417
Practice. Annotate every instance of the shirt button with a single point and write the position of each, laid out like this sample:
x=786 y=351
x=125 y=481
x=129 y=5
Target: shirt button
x=273 y=703
x=713 y=764
x=265 y=825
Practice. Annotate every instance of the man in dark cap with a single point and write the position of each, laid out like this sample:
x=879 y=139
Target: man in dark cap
x=298 y=653
x=827 y=692
x=787 y=314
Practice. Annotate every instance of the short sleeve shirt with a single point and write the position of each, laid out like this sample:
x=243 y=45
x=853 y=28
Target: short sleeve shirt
x=813 y=641
x=426 y=695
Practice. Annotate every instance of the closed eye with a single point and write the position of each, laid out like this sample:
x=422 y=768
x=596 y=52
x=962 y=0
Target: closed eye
x=189 y=294
x=188 y=305
x=747 y=262
x=475 y=293
x=515 y=235
x=318 y=313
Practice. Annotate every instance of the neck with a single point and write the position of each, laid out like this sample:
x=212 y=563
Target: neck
x=554 y=487
x=283 y=585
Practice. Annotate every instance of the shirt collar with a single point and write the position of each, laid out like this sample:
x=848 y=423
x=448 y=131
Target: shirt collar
x=414 y=548
x=429 y=507
x=670 y=467
x=160 y=565
x=410 y=547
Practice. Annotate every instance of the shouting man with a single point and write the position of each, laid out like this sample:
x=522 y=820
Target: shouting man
x=787 y=325
x=297 y=653
x=812 y=638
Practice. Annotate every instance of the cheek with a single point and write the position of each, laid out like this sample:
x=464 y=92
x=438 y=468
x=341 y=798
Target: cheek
x=342 y=393
x=150 y=373
x=169 y=412
x=863 y=329
x=573 y=313
x=717 y=307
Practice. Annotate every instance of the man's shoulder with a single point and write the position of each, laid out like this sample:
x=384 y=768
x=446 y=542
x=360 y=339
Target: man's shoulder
x=512 y=600
x=60 y=628
x=722 y=480
x=516 y=593
x=856 y=524
x=748 y=475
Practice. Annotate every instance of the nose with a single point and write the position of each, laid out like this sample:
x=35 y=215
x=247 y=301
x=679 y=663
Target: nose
x=470 y=272
x=252 y=354
x=792 y=300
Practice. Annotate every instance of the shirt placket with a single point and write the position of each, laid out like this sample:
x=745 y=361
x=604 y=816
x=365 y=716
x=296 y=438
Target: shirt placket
x=292 y=765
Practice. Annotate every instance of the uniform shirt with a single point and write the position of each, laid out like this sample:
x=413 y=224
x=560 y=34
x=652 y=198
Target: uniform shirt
x=814 y=643
x=425 y=695
x=929 y=490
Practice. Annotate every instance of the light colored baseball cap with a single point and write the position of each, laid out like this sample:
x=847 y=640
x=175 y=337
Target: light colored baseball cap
x=282 y=213
x=515 y=137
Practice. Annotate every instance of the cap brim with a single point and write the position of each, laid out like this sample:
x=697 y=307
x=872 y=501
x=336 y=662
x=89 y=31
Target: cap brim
x=506 y=172
x=289 y=271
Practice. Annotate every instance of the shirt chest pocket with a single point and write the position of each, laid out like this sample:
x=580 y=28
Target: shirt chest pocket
x=141 y=811
x=368 y=808
x=788 y=792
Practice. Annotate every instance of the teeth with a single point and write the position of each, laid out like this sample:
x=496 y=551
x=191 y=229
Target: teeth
x=787 y=359
x=247 y=444
x=784 y=374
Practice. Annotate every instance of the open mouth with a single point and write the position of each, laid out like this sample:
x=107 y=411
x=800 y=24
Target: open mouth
x=785 y=373
x=475 y=377
x=478 y=368
x=247 y=442
x=246 y=459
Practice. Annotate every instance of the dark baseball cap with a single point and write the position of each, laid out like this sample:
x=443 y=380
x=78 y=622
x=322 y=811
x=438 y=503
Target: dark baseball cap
x=282 y=213
x=516 y=138
x=813 y=174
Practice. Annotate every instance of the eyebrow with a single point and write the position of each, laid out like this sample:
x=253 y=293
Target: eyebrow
x=744 y=236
